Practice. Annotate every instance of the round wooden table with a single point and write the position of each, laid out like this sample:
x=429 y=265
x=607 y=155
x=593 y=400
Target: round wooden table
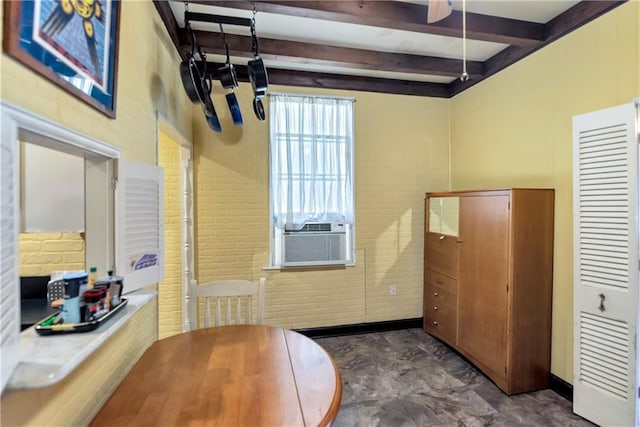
x=247 y=375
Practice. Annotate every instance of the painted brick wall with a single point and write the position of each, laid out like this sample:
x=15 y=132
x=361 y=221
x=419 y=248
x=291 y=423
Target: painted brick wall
x=170 y=289
x=401 y=151
x=42 y=253
x=148 y=84
x=77 y=399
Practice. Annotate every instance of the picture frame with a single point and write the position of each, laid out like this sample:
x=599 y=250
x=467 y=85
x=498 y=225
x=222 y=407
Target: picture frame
x=73 y=43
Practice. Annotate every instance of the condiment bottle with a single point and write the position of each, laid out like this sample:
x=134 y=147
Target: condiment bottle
x=93 y=277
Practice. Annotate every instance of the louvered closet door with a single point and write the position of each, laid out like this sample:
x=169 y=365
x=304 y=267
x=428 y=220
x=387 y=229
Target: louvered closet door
x=605 y=265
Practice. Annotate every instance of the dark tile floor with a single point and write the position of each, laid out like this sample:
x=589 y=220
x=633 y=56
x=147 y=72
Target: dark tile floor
x=408 y=378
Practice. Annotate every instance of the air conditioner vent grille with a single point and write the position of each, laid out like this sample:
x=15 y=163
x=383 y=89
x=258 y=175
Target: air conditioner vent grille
x=316 y=227
x=305 y=249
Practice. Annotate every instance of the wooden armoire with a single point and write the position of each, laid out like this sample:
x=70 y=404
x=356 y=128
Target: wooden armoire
x=488 y=278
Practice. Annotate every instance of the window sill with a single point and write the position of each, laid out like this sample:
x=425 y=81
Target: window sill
x=307 y=267
x=46 y=360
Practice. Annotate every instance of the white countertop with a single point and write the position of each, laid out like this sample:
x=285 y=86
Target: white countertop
x=45 y=360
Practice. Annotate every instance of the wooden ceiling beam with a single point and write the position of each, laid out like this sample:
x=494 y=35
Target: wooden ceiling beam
x=170 y=23
x=398 y=16
x=388 y=14
x=278 y=76
x=362 y=59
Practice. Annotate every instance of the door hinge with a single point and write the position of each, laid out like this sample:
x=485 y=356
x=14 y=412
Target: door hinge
x=509 y=206
x=507 y=288
x=114 y=184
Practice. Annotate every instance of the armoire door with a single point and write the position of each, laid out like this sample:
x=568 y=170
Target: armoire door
x=606 y=266
x=483 y=278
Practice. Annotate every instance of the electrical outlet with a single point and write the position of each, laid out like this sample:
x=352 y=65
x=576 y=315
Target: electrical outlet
x=393 y=290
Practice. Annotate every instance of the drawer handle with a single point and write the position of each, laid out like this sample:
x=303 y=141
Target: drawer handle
x=435 y=308
x=435 y=323
x=439 y=281
x=442 y=237
x=435 y=294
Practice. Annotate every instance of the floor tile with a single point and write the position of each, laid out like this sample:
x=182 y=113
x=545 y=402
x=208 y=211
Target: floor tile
x=408 y=378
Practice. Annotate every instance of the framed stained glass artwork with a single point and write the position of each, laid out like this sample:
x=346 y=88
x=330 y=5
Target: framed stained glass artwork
x=73 y=43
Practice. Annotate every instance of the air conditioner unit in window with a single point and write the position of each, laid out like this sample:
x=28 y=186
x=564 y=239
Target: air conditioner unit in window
x=315 y=244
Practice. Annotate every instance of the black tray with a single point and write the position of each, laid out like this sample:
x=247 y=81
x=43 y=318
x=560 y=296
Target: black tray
x=77 y=327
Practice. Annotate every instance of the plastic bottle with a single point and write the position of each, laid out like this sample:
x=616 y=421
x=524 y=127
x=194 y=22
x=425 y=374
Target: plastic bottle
x=93 y=277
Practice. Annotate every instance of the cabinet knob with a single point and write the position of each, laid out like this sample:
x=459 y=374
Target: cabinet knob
x=435 y=294
x=435 y=308
x=435 y=322
x=442 y=237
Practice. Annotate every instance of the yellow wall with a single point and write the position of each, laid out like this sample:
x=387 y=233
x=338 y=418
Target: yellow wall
x=514 y=129
x=148 y=81
x=401 y=151
x=42 y=253
x=170 y=289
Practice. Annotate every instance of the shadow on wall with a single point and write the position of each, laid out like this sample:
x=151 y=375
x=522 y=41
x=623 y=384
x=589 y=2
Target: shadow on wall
x=395 y=268
x=165 y=102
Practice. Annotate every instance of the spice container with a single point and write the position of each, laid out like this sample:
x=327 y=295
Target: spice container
x=94 y=299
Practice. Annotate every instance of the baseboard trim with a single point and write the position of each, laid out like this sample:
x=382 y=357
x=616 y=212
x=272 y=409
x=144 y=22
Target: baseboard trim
x=561 y=387
x=361 y=328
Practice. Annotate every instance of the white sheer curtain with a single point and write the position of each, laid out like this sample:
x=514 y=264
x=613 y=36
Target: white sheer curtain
x=311 y=142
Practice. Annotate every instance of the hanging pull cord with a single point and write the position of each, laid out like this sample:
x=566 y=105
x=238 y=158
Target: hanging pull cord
x=464 y=76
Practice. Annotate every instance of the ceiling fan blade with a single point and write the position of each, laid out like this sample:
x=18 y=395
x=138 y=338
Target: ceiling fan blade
x=438 y=10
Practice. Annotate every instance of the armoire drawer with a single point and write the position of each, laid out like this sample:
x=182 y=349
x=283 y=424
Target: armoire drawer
x=441 y=320
x=435 y=295
x=441 y=281
x=441 y=253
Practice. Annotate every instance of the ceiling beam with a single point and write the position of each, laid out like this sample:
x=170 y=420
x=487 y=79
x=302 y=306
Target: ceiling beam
x=573 y=18
x=164 y=10
x=398 y=16
x=344 y=82
x=362 y=59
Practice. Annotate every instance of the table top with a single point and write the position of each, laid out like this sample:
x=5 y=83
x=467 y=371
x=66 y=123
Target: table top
x=246 y=375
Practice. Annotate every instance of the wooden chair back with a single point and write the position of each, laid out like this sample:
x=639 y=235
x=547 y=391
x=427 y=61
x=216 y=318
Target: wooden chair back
x=228 y=293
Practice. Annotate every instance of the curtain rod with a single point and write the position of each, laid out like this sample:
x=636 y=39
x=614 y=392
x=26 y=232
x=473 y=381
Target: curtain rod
x=348 y=98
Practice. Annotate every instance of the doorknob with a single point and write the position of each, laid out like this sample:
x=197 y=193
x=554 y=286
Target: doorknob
x=601 y=306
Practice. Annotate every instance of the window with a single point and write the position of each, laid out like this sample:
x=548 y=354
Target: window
x=311 y=180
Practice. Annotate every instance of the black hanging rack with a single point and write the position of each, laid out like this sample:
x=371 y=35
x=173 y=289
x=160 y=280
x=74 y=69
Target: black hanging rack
x=217 y=19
